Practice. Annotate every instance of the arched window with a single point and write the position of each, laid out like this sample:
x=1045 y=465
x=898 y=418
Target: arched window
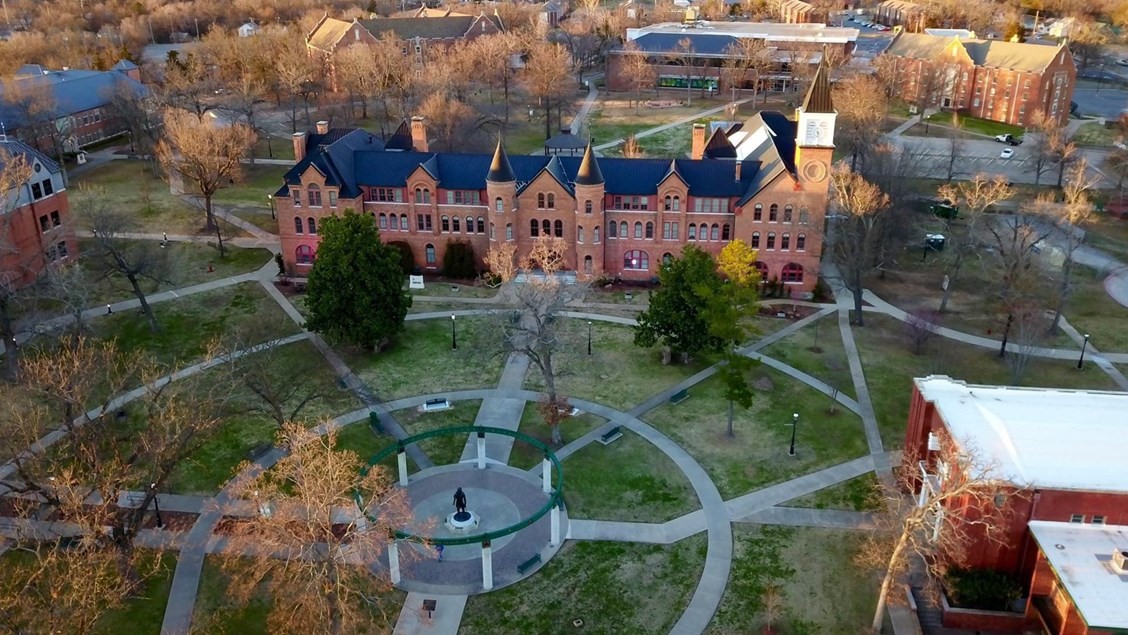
x=773 y=213
x=787 y=213
x=579 y=233
x=785 y=242
x=403 y=222
x=534 y=228
x=715 y=232
x=445 y=223
x=638 y=230
x=509 y=231
x=726 y=232
x=546 y=227
x=691 y=234
x=455 y=225
x=481 y=224
x=758 y=212
x=540 y=200
x=311 y=222
x=587 y=207
x=763 y=269
x=613 y=228
x=383 y=221
x=298 y=226
x=595 y=234
x=305 y=255
x=771 y=240
x=470 y=225
x=551 y=201
x=314 y=195
x=636 y=260
x=755 y=240
x=430 y=250
x=667 y=202
x=677 y=204
x=492 y=232
x=792 y=273
x=623 y=229
x=558 y=228
x=587 y=263
x=422 y=195
x=801 y=242
x=499 y=205
x=296 y=193
x=667 y=258
x=804 y=215
x=649 y=229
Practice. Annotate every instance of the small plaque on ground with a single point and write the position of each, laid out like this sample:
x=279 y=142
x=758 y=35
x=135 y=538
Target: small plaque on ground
x=415 y=282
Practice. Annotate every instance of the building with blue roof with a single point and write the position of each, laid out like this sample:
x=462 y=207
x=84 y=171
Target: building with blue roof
x=763 y=181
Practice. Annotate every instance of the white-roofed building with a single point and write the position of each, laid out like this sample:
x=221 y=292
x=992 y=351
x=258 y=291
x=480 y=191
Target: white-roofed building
x=1080 y=582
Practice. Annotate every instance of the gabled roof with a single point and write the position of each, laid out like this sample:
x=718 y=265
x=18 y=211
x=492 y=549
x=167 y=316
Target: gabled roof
x=328 y=33
x=74 y=90
x=16 y=147
x=401 y=139
x=123 y=65
x=767 y=137
x=588 y=172
x=704 y=44
x=556 y=170
x=1019 y=56
x=445 y=27
x=818 y=95
x=919 y=46
x=719 y=146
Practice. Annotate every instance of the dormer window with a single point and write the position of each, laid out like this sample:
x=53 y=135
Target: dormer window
x=314 y=195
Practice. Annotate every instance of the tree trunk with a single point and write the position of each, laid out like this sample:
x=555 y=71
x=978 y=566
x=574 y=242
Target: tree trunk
x=887 y=581
x=952 y=276
x=8 y=334
x=1063 y=290
x=505 y=84
x=1006 y=334
x=213 y=224
x=860 y=321
x=145 y=308
x=730 y=430
x=550 y=388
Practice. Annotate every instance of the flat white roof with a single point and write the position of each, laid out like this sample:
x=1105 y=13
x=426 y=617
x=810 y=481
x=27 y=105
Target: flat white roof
x=1081 y=555
x=1038 y=437
x=767 y=31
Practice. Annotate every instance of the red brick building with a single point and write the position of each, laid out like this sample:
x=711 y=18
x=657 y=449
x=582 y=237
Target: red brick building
x=1056 y=445
x=989 y=79
x=799 y=12
x=622 y=217
x=35 y=227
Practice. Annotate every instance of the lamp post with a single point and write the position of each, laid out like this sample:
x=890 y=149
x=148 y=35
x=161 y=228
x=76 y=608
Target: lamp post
x=589 y=337
x=794 y=425
x=453 y=334
x=1084 y=345
x=270 y=197
x=156 y=505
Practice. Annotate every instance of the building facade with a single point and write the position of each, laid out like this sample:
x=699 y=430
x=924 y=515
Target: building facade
x=799 y=12
x=620 y=217
x=903 y=13
x=35 y=226
x=1001 y=81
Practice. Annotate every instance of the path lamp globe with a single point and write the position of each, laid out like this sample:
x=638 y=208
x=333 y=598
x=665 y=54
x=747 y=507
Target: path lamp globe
x=589 y=337
x=1084 y=345
x=156 y=505
x=270 y=197
x=794 y=426
x=453 y=333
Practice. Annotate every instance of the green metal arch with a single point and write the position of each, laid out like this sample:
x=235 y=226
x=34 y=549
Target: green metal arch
x=557 y=497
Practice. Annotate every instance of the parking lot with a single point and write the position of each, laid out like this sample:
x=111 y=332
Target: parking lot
x=977 y=156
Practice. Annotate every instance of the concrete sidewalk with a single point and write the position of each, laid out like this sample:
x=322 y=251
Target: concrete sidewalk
x=444 y=620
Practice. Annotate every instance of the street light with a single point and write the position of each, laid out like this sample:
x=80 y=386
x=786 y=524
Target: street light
x=157 y=505
x=589 y=337
x=270 y=197
x=453 y=334
x=1084 y=345
x=794 y=425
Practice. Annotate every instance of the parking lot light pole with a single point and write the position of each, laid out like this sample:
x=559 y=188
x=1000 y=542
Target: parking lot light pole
x=1084 y=345
x=794 y=425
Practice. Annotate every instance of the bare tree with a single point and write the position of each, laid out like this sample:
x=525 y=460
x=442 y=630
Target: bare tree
x=189 y=85
x=631 y=149
x=862 y=206
x=861 y=107
x=449 y=119
x=15 y=263
x=502 y=261
x=358 y=73
x=637 y=70
x=1071 y=217
x=310 y=544
x=547 y=79
x=964 y=238
x=33 y=104
x=684 y=55
x=1051 y=147
x=920 y=327
x=296 y=73
x=1027 y=334
x=209 y=157
x=1015 y=245
x=1116 y=163
x=139 y=115
x=954 y=149
x=270 y=377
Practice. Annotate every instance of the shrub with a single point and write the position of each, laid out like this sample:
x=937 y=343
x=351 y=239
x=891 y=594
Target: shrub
x=981 y=589
x=407 y=258
x=458 y=261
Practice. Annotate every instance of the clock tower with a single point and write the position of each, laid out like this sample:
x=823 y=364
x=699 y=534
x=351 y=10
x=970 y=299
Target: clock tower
x=814 y=130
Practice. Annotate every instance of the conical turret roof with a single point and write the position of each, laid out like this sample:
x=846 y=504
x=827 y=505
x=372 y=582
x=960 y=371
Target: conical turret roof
x=589 y=173
x=500 y=169
x=818 y=95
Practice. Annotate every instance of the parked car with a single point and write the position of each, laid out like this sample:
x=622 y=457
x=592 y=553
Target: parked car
x=1008 y=139
x=1006 y=153
x=1123 y=62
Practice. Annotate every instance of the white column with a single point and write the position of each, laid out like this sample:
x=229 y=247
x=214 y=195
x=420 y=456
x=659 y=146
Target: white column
x=481 y=450
x=555 y=521
x=401 y=458
x=393 y=561
x=487 y=566
x=546 y=475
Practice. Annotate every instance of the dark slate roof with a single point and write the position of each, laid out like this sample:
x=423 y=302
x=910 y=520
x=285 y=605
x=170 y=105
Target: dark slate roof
x=123 y=65
x=452 y=26
x=74 y=90
x=401 y=138
x=818 y=95
x=566 y=141
x=14 y=147
x=501 y=171
x=333 y=159
x=556 y=170
x=588 y=173
x=719 y=146
x=779 y=156
x=703 y=43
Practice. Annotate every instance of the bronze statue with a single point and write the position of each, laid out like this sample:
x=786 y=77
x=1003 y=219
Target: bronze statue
x=459 y=501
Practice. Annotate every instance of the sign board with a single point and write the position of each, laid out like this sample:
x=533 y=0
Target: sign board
x=415 y=282
x=945 y=284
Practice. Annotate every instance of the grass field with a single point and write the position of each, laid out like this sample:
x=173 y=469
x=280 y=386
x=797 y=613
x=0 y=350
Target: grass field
x=525 y=455
x=445 y=449
x=1094 y=134
x=816 y=350
x=857 y=494
x=628 y=480
x=614 y=587
x=1091 y=310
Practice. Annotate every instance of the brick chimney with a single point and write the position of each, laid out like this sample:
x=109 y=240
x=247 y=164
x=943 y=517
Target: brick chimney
x=698 y=148
x=323 y=127
x=419 y=134
x=299 y=139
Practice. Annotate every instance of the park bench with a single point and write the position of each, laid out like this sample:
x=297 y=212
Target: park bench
x=611 y=435
x=434 y=405
x=679 y=397
x=256 y=452
x=524 y=567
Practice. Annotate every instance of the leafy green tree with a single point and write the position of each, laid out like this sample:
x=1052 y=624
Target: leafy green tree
x=677 y=316
x=728 y=304
x=355 y=290
x=458 y=260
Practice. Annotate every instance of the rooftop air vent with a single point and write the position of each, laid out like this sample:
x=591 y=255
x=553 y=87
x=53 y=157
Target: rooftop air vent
x=1120 y=560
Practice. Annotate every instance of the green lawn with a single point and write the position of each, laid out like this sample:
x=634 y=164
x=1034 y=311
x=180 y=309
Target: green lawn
x=857 y=494
x=445 y=449
x=890 y=368
x=1109 y=234
x=215 y=611
x=757 y=456
x=1094 y=134
x=614 y=587
x=980 y=126
x=278 y=148
x=421 y=360
x=1091 y=311
x=446 y=288
x=258 y=181
x=628 y=480
x=526 y=456
x=817 y=350
x=618 y=373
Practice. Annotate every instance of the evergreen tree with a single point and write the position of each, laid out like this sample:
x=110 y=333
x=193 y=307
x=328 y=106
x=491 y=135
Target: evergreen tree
x=355 y=290
x=677 y=316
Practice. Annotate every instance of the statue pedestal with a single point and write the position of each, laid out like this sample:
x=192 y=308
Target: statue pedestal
x=462 y=521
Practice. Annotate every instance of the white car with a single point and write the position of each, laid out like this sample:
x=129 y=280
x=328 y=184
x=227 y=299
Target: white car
x=1006 y=153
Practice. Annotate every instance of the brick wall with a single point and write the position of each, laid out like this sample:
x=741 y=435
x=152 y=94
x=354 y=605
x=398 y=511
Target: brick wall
x=33 y=238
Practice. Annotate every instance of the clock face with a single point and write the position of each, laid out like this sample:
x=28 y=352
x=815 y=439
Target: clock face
x=812 y=132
